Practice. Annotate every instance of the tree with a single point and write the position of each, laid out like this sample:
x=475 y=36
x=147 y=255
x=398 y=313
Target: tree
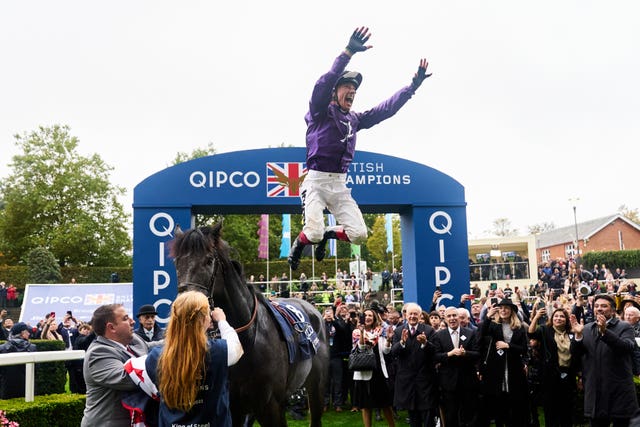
x=501 y=227
x=62 y=201
x=630 y=214
x=197 y=153
x=377 y=242
x=541 y=228
x=43 y=267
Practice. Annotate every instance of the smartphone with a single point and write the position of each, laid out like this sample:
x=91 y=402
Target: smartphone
x=493 y=286
x=53 y=314
x=438 y=288
x=69 y=313
x=352 y=314
x=541 y=305
x=494 y=301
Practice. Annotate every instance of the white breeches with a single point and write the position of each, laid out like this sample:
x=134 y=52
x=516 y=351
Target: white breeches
x=322 y=190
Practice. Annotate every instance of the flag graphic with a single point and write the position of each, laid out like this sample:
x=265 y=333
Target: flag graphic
x=388 y=227
x=285 y=245
x=284 y=178
x=332 y=242
x=263 y=233
x=99 y=299
x=355 y=250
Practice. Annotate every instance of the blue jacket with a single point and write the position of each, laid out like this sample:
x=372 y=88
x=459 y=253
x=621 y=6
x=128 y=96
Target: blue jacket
x=331 y=133
x=212 y=404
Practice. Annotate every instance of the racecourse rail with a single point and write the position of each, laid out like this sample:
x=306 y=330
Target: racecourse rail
x=31 y=358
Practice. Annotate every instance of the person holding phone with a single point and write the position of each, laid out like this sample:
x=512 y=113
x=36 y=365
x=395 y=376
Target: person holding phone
x=50 y=328
x=560 y=367
x=504 y=382
x=68 y=329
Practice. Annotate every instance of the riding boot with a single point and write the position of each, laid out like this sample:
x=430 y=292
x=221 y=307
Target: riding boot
x=296 y=253
x=321 y=247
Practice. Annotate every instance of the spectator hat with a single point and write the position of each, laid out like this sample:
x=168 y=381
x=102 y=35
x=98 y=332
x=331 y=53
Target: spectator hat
x=18 y=328
x=146 y=309
x=508 y=302
x=630 y=299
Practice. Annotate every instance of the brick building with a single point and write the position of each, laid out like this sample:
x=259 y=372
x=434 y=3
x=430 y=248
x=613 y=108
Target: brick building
x=611 y=233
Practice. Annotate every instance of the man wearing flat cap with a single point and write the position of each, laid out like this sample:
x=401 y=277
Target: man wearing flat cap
x=13 y=376
x=606 y=346
x=149 y=330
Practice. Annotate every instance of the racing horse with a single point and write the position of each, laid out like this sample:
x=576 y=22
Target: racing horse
x=262 y=381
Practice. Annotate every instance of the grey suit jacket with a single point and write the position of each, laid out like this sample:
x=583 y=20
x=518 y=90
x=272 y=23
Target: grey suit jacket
x=106 y=380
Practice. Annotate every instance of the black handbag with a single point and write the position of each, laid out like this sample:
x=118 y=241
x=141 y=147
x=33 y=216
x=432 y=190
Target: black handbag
x=362 y=360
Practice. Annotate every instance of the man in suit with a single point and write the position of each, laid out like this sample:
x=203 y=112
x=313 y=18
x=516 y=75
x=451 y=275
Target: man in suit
x=415 y=380
x=104 y=373
x=149 y=330
x=606 y=346
x=456 y=352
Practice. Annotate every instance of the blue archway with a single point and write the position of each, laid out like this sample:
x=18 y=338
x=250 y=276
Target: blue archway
x=431 y=205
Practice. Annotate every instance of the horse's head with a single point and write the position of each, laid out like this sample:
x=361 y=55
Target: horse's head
x=203 y=264
x=199 y=255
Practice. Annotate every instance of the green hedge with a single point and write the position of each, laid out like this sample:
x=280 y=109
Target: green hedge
x=54 y=410
x=629 y=259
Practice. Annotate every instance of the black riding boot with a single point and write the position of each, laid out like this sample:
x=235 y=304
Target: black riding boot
x=321 y=247
x=295 y=254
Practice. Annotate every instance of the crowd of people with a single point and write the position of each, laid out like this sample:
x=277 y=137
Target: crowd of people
x=501 y=356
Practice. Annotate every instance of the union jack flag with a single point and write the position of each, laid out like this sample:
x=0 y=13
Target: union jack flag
x=284 y=178
x=99 y=299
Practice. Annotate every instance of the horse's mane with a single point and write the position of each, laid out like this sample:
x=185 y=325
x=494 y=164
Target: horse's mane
x=199 y=242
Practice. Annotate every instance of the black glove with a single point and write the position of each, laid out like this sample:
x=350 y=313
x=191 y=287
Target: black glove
x=420 y=76
x=358 y=40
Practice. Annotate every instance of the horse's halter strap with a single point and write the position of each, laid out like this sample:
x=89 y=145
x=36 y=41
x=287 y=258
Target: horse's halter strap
x=209 y=291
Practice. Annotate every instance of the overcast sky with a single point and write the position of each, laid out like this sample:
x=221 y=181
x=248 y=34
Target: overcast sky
x=530 y=103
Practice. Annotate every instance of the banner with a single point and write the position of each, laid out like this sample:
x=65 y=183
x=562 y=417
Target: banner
x=389 y=228
x=333 y=243
x=285 y=245
x=263 y=234
x=355 y=250
x=80 y=299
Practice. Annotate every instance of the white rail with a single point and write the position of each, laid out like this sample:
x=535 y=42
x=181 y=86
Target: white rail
x=30 y=359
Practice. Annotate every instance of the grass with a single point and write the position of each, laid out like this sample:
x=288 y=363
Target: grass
x=343 y=419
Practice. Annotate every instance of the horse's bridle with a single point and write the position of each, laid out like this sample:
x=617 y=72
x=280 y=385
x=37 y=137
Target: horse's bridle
x=183 y=286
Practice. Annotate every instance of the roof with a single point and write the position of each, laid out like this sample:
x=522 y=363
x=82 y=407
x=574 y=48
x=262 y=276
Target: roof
x=585 y=230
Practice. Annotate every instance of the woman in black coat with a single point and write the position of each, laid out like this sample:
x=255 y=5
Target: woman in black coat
x=503 y=378
x=560 y=366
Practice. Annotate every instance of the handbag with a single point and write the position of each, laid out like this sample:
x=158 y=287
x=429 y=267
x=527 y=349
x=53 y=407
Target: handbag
x=362 y=360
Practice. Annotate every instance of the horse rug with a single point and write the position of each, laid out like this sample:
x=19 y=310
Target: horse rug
x=296 y=330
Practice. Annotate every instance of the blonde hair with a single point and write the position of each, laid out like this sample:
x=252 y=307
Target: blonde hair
x=514 y=320
x=181 y=367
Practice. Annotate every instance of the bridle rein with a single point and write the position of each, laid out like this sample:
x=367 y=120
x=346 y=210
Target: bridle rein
x=208 y=290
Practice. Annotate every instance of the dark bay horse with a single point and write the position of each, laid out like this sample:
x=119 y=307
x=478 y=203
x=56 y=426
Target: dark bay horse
x=261 y=382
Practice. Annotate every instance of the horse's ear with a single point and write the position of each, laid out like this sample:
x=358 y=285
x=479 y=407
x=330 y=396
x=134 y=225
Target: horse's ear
x=178 y=231
x=216 y=228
